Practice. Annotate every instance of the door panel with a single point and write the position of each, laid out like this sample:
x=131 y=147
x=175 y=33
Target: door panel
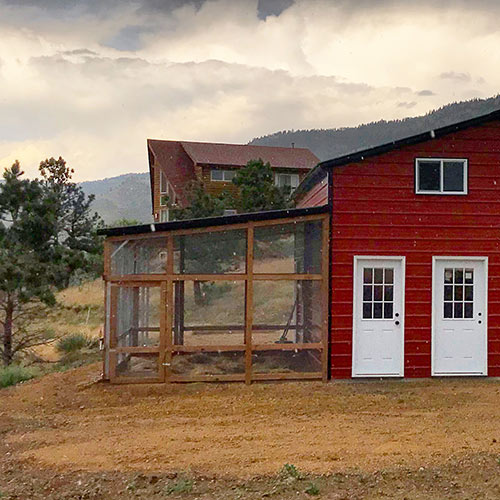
x=459 y=316
x=378 y=320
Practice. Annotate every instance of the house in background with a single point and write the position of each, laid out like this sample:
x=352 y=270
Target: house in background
x=173 y=165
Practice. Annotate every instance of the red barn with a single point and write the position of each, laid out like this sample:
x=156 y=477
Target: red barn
x=415 y=254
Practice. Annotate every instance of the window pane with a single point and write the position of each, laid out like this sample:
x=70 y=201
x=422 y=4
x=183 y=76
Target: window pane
x=389 y=276
x=379 y=275
x=469 y=294
x=388 y=293
x=216 y=175
x=458 y=310
x=469 y=276
x=377 y=310
x=367 y=310
x=367 y=275
x=429 y=175
x=388 y=310
x=453 y=176
x=468 y=310
x=448 y=292
x=448 y=309
x=367 y=293
x=448 y=275
x=459 y=292
x=459 y=276
x=229 y=174
x=377 y=295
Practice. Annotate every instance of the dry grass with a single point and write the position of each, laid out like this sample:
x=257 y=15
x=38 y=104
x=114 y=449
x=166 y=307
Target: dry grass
x=80 y=309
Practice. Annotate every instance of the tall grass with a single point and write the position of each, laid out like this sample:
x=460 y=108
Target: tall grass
x=72 y=343
x=13 y=374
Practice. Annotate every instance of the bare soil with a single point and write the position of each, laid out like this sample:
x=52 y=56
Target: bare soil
x=68 y=436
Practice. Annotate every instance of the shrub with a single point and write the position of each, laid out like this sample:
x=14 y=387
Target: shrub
x=13 y=374
x=289 y=470
x=180 y=486
x=312 y=489
x=72 y=343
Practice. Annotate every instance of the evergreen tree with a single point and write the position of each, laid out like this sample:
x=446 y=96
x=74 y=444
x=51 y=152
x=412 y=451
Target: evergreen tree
x=47 y=235
x=257 y=191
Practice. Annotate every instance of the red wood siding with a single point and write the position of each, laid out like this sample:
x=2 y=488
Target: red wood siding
x=316 y=196
x=376 y=212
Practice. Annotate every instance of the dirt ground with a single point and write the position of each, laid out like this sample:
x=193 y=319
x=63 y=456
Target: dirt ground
x=66 y=436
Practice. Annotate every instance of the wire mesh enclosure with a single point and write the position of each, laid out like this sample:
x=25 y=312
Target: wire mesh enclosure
x=223 y=303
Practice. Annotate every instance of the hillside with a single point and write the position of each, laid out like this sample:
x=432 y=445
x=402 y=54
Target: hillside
x=330 y=143
x=123 y=197
x=128 y=196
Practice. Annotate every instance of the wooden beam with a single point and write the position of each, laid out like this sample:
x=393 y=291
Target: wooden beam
x=249 y=305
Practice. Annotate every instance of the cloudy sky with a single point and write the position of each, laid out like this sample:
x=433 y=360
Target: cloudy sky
x=91 y=80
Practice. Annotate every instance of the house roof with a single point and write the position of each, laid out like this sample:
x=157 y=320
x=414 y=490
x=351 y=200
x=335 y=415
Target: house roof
x=222 y=220
x=320 y=170
x=208 y=153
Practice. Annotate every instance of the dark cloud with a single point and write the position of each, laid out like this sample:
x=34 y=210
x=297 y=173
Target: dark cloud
x=406 y=105
x=128 y=38
x=456 y=76
x=425 y=93
x=79 y=52
x=273 y=7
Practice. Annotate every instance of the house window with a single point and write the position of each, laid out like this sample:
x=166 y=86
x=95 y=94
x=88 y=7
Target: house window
x=440 y=176
x=222 y=175
x=163 y=183
x=287 y=180
x=164 y=215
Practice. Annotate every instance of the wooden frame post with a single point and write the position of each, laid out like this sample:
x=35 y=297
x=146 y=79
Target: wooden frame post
x=249 y=305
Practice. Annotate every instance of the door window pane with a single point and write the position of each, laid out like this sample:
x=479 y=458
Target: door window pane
x=458 y=298
x=378 y=295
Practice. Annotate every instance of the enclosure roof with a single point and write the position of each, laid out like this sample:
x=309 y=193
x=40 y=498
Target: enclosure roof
x=223 y=220
x=357 y=156
x=210 y=153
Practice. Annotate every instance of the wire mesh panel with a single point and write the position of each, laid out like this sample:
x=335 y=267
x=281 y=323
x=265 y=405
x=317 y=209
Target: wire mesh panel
x=218 y=252
x=287 y=312
x=286 y=362
x=138 y=365
x=209 y=313
x=144 y=256
x=138 y=316
x=208 y=364
x=288 y=248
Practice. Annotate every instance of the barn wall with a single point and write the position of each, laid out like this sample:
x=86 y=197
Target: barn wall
x=316 y=196
x=376 y=212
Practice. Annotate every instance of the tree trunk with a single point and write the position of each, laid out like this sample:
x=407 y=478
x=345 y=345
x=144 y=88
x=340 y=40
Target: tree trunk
x=7 y=334
x=198 y=294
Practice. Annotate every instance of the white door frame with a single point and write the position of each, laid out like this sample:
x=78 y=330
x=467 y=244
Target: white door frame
x=436 y=258
x=402 y=259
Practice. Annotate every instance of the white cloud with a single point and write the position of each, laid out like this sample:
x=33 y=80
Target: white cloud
x=215 y=71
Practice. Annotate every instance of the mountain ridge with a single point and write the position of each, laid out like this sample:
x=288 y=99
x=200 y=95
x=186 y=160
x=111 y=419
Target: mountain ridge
x=128 y=196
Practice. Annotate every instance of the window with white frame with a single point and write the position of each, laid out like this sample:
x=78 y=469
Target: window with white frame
x=164 y=215
x=440 y=176
x=286 y=180
x=219 y=175
x=163 y=183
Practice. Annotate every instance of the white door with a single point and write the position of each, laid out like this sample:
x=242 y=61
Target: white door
x=459 y=316
x=378 y=319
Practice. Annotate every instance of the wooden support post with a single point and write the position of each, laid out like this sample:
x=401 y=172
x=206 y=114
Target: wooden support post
x=325 y=296
x=249 y=305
